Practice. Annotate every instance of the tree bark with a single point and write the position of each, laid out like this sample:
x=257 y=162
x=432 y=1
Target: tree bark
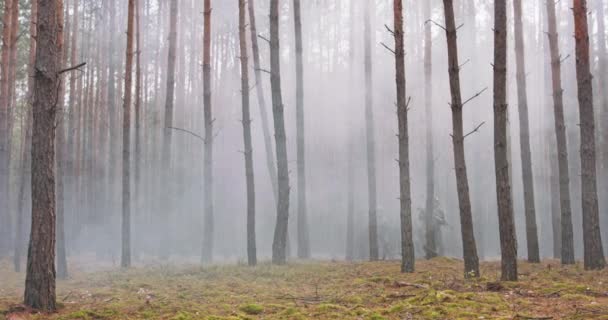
x=508 y=242
x=303 y=236
x=272 y=170
x=138 y=110
x=524 y=137
x=249 y=177
x=592 y=241
x=469 y=247
x=40 y=276
x=567 y=238
x=207 y=254
x=350 y=214
x=125 y=260
x=370 y=140
x=279 y=245
x=405 y=196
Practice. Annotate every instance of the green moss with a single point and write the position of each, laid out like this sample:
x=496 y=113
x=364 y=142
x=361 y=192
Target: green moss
x=252 y=309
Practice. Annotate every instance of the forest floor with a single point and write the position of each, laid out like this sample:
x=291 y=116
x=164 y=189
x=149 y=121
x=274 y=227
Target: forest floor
x=319 y=290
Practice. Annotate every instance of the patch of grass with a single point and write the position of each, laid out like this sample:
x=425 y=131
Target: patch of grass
x=252 y=309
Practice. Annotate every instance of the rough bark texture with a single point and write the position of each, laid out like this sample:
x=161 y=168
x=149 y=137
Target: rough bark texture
x=125 y=260
x=272 y=169
x=370 y=140
x=207 y=254
x=169 y=102
x=303 y=236
x=524 y=138
x=40 y=276
x=469 y=248
x=592 y=241
x=279 y=245
x=430 y=225
x=506 y=225
x=5 y=129
x=249 y=178
x=405 y=196
x=567 y=238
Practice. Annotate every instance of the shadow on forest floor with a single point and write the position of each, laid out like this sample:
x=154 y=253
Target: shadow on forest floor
x=321 y=290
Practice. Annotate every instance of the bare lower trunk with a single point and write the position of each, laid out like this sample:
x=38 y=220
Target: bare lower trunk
x=370 y=140
x=125 y=261
x=567 y=240
x=405 y=196
x=469 y=248
x=279 y=245
x=207 y=254
x=524 y=136
x=251 y=245
x=40 y=276
x=508 y=243
x=272 y=170
x=594 y=254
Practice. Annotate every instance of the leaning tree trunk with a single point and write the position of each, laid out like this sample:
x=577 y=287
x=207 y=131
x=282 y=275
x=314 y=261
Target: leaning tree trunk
x=272 y=170
x=592 y=240
x=251 y=246
x=370 y=140
x=405 y=194
x=279 y=245
x=524 y=136
x=567 y=238
x=125 y=261
x=40 y=276
x=506 y=225
x=169 y=103
x=303 y=237
x=469 y=248
x=207 y=254
x=430 y=223
x=5 y=129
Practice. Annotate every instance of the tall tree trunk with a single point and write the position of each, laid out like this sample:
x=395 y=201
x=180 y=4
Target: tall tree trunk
x=407 y=244
x=207 y=254
x=5 y=134
x=350 y=214
x=508 y=243
x=24 y=179
x=603 y=111
x=594 y=254
x=272 y=170
x=251 y=246
x=279 y=245
x=303 y=237
x=125 y=260
x=370 y=141
x=74 y=126
x=469 y=248
x=524 y=136
x=567 y=238
x=40 y=276
x=138 y=112
x=169 y=101
x=112 y=112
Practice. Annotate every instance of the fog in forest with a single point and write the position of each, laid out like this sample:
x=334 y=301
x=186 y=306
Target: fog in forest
x=168 y=204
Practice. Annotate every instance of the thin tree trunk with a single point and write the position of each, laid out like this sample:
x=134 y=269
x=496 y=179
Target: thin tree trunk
x=125 y=261
x=350 y=214
x=5 y=118
x=138 y=112
x=407 y=244
x=272 y=170
x=208 y=225
x=594 y=254
x=303 y=237
x=431 y=230
x=508 y=244
x=524 y=136
x=251 y=246
x=567 y=238
x=370 y=141
x=40 y=276
x=469 y=247
x=169 y=101
x=279 y=245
